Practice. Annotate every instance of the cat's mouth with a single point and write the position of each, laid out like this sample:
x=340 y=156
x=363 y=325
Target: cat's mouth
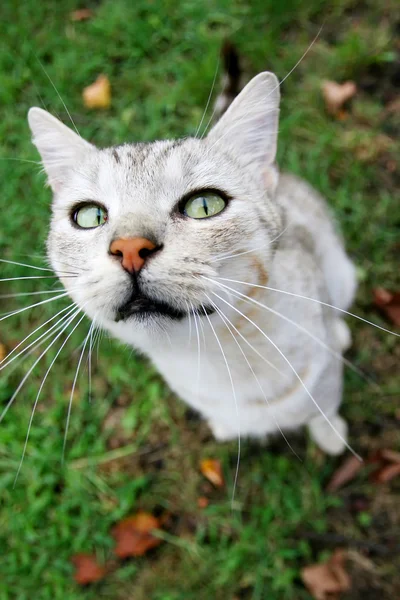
x=142 y=306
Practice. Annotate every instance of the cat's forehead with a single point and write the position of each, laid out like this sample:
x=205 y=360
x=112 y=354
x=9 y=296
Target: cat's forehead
x=158 y=172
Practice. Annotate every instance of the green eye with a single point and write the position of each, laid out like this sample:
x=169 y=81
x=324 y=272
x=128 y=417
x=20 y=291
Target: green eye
x=90 y=216
x=204 y=205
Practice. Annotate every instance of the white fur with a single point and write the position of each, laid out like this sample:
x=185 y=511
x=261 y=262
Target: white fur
x=294 y=247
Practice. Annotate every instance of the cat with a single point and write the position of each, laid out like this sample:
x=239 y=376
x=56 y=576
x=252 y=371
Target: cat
x=202 y=256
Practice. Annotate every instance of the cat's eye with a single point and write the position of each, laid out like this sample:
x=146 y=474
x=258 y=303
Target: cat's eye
x=90 y=216
x=204 y=205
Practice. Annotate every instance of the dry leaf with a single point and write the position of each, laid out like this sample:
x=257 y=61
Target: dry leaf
x=345 y=473
x=211 y=469
x=327 y=580
x=88 y=569
x=390 y=456
x=98 y=95
x=3 y=351
x=203 y=502
x=386 y=473
x=133 y=535
x=336 y=94
x=388 y=303
x=82 y=14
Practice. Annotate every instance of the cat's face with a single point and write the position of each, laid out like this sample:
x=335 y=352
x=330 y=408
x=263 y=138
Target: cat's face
x=163 y=193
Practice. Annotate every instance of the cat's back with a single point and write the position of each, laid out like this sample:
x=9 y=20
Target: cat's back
x=310 y=226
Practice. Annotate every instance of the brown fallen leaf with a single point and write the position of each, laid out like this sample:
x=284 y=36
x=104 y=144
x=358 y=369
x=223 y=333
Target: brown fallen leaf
x=336 y=94
x=345 y=473
x=88 y=569
x=134 y=536
x=3 y=351
x=388 y=303
x=325 y=581
x=98 y=94
x=211 y=469
x=82 y=14
x=386 y=473
x=203 y=502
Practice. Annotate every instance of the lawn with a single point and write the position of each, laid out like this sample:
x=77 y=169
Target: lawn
x=131 y=445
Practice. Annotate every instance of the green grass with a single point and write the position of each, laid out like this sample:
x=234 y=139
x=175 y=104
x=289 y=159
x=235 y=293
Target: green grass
x=161 y=57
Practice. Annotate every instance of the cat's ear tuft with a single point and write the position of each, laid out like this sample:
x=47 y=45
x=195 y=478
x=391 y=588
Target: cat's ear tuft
x=249 y=128
x=59 y=147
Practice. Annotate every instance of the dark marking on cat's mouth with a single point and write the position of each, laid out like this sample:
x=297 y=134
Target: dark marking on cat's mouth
x=143 y=307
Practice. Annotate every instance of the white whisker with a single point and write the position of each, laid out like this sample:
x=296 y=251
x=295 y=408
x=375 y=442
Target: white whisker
x=69 y=308
x=235 y=399
x=346 y=312
x=19 y=264
x=320 y=342
x=295 y=373
x=72 y=392
x=17 y=312
x=58 y=94
x=208 y=101
x=39 y=392
x=19 y=294
x=226 y=321
x=10 y=402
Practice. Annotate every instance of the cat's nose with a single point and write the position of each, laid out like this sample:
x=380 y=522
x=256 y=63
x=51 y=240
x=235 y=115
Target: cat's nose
x=132 y=252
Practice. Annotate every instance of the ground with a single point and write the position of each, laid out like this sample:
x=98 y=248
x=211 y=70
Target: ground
x=161 y=57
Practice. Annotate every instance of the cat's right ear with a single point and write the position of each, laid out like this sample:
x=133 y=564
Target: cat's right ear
x=59 y=147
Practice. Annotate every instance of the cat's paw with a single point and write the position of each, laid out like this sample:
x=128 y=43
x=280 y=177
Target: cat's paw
x=343 y=334
x=221 y=433
x=325 y=436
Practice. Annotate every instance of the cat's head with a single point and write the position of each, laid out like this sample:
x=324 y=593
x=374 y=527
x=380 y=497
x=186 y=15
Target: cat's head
x=137 y=228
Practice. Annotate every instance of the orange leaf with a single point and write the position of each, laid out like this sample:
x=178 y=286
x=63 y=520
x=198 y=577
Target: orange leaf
x=202 y=502
x=388 y=303
x=324 y=579
x=82 y=14
x=133 y=535
x=211 y=469
x=88 y=569
x=336 y=94
x=3 y=351
x=98 y=95
x=345 y=473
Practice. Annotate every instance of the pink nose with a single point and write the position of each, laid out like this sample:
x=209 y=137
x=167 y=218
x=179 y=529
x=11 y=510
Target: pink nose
x=133 y=252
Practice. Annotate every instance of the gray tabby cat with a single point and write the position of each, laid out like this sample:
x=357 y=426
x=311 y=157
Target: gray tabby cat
x=200 y=255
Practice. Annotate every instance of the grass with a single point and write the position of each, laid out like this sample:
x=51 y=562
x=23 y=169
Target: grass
x=161 y=57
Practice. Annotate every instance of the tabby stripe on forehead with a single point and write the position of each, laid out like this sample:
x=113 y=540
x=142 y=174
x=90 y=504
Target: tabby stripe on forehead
x=116 y=156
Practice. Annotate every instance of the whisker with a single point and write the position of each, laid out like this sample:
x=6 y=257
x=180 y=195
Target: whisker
x=72 y=394
x=70 y=308
x=58 y=94
x=236 y=404
x=17 y=312
x=346 y=312
x=321 y=343
x=295 y=373
x=275 y=88
x=10 y=402
x=34 y=277
x=224 y=319
x=39 y=392
x=223 y=257
x=208 y=101
x=195 y=317
x=19 y=264
x=2 y=296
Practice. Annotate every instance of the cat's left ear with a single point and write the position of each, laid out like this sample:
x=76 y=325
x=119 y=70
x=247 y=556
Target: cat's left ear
x=249 y=128
x=60 y=148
